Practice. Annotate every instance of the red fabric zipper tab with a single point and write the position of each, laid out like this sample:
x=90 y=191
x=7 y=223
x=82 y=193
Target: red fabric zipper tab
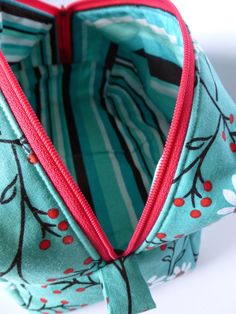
x=48 y=156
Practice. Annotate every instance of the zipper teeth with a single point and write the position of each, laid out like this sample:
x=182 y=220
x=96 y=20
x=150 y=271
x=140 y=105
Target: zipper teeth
x=168 y=147
x=93 y=228
x=88 y=220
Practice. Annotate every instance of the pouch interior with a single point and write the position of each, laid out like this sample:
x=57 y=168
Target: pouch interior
x=108 y=112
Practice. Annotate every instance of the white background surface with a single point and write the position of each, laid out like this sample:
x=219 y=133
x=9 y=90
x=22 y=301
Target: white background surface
x=211 y=287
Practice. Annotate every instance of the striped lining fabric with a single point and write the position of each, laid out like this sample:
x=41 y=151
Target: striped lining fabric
x=109 y=111
x=26 y=32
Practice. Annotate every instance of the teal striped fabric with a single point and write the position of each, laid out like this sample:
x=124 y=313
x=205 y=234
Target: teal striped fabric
x=108 y=113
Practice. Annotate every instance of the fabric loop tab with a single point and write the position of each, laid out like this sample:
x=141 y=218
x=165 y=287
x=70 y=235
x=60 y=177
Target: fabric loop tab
x=124 y=287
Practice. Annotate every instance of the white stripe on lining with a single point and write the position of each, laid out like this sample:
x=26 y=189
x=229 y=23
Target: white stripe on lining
x=26 y=22
x=128 y=19
x=7 y=39
x=138 y=132
x=118 y=174
x=129 y=143
x=137 y=86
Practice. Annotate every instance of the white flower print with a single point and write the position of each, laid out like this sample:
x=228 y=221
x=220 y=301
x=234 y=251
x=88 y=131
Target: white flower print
x=180 y=270
x=230 y=197
x=155 y=281
x=12 y=287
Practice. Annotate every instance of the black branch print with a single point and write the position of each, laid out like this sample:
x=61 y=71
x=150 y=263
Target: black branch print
x=79 y=280
x=170 y=248
x=64 y=305
x=171 y=259
x=81 y=283
x=80 y=286
x=84 y=283
x=9 y=192
x=16 y=187
x=197 y=163
x=56 y=309
x=71 y=275
x=202 y=145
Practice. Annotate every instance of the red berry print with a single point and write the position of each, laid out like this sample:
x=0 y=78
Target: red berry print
x=233 y=147
x=178 y=236
x=107 y=300
x=44 y=244
x=69 y=271
x=88 y=261
x=80 y=289
x=205 y=202
x=44 y=286
x=45 y=312
x=43 y=300
x=51 y=279
x=57 y=291
x=68 y=240
x=161 y=235
x=83 y=305
x=149 y=248
x=231 y=118
x=58 y=312
x=53 y=213
x=32 y=158
x=223 y=136
x=179 y=202
x=207 y=186
x=195 y=213
x=64 y=302
x=163 y=247
x=63 y=225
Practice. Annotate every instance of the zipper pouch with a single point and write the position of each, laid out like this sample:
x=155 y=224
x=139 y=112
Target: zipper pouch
x=117 y=146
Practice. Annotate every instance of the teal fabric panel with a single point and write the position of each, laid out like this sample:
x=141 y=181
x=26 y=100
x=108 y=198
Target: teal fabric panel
x=203 y=189
x=43 y=227
x=72 y=288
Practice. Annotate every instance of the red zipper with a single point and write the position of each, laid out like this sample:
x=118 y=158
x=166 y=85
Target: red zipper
x=50 y=159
